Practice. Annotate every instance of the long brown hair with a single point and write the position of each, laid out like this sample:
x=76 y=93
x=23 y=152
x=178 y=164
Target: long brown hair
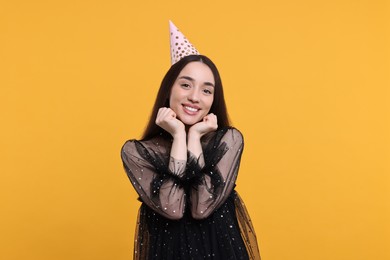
x=162 y=100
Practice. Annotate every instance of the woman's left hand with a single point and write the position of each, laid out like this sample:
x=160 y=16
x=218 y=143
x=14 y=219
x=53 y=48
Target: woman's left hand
x=208 y=124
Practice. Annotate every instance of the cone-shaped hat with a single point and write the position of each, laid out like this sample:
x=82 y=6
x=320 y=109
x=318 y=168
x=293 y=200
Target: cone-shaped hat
x=180 y=46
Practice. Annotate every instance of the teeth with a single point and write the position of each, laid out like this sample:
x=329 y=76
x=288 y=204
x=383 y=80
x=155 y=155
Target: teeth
x=191 y=109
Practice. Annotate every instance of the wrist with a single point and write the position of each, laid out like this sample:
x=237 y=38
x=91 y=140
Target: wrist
x=194 y=135
x=179 y=135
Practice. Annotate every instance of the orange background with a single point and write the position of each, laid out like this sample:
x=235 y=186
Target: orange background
x=307 y=82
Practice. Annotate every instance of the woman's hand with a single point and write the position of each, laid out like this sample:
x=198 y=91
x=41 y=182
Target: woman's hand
x=166 y=119
x=208 y=124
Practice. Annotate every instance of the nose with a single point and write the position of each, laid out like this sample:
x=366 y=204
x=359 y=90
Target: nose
x=193 y=96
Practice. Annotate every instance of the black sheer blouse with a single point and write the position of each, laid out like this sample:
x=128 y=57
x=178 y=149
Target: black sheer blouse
x=187 y=195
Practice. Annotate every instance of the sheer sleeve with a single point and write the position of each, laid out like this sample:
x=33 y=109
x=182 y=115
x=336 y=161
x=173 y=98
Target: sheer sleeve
x=222 y=156
x=156 y=177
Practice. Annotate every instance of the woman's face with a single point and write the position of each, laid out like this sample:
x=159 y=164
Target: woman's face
x=192 y=94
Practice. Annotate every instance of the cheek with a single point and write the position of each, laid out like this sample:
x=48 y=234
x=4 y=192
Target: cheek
x=210 y=103
x=174 y=96
x=172 y=99
x=174 y=102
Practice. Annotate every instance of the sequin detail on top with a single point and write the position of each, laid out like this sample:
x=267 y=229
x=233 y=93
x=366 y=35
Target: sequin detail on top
x=180 y=45
x=215 y=237
x=188 y=210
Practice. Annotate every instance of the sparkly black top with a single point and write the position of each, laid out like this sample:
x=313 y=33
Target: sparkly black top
x=189 y=211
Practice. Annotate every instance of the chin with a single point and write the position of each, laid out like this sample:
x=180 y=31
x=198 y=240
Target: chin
x=190 y=122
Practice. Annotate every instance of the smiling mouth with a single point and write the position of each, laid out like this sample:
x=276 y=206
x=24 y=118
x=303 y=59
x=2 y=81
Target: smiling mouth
x=192 y=109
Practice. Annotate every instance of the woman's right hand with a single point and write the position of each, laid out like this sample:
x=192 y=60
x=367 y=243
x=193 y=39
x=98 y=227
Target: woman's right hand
x=166 y=119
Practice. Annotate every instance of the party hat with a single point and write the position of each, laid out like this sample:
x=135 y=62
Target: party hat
x=180 y=46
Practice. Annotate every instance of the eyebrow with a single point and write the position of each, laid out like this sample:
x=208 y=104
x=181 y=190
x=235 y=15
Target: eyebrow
x=191 y=79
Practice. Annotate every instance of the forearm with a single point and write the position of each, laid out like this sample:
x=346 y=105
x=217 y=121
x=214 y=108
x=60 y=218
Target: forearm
x=179 y=147
x=219 y=175
x=172 y=200
x=203 y=199
x=171 y=195
x=195 y=147
x=178 y=154
x=202 y=194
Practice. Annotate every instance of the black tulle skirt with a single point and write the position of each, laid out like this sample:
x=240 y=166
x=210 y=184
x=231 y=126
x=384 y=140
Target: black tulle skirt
x=226 y=234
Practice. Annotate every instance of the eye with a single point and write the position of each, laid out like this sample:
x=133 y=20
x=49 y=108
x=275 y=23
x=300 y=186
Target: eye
x=207 y=91
x=185 y=85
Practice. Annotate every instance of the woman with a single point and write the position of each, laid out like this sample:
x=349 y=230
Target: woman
x=184 y=170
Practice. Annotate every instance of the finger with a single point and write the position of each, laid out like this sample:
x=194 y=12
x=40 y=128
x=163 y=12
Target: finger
x=162 y=115
x=169 y=113
x=159 y=113
x=214 y=117
x=162 y=110
x=210 y=117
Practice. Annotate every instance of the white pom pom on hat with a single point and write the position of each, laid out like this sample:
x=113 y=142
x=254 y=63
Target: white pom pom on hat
x=180 y=45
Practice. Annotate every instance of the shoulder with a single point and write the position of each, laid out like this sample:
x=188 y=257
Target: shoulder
x=235 y=133
x=154 y=144
x=231 y=134
x=129 y=145
x=226 y=136
x=134 y=152
x=129 y=148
